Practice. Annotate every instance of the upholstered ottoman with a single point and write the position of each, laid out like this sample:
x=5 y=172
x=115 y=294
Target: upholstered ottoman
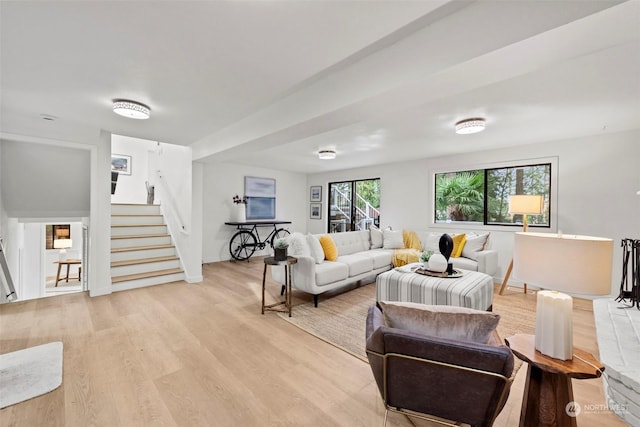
x=472 y=290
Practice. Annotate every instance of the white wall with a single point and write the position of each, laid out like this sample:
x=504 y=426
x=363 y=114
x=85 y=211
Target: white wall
x=40 y=180
x=224 y=180
x=597 y=182
x=132 y=188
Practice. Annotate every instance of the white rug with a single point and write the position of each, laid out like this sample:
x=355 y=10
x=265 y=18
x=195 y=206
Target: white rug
x=28 y=373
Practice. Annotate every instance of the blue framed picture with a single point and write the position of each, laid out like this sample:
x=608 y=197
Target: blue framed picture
x=261 y=208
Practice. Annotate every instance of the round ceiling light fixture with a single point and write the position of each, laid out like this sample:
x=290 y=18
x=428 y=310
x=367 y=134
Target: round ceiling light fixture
x=327 y=154
x=131 y=109
x=467 y=126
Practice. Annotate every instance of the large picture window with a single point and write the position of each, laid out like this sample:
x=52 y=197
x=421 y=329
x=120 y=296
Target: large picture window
x=482 y=195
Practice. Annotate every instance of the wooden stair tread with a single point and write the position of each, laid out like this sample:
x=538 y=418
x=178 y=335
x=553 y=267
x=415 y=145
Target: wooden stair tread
x=143 y=261
x=139 y=236
x=137 y=276
x=141 y=248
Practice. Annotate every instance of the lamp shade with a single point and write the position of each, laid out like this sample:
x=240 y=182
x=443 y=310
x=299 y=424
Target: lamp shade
x=526 y=204
x=62 y=243
x=566 y=263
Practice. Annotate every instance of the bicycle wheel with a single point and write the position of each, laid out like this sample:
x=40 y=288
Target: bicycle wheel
x=280 y=233
x=242 y=245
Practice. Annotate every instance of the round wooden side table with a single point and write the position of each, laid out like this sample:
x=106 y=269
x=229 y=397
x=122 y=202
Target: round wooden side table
x=287 y=284
x=548 y=393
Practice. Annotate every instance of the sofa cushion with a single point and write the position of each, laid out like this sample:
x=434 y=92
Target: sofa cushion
x=329 y=247
x=392 y=239
x=351 y=242
x=376 y=238
x=357 y=264
x=475 y=243
x=459 y=241
x=443 y=321
x=380 y=257
x=329 y=272
x=315 y=248
x=298 y=245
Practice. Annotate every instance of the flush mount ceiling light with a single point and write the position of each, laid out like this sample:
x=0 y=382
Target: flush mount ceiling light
x=327 y=154
x=464 y=127
x=131 y=109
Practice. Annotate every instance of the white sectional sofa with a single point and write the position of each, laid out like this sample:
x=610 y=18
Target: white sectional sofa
x=358 y=258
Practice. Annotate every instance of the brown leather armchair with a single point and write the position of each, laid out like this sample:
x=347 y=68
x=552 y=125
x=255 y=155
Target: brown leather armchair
x=437 y=378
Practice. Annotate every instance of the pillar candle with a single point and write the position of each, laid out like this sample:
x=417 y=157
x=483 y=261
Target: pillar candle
x=554 y=326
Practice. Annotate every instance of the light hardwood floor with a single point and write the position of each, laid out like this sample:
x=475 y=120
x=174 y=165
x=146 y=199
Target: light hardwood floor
x=203 y=355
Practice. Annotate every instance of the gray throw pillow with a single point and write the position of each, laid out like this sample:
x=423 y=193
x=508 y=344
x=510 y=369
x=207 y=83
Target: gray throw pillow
x=442 y=321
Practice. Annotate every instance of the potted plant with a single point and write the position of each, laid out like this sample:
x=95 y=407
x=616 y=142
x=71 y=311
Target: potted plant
x=280 y=249
x=424 y=259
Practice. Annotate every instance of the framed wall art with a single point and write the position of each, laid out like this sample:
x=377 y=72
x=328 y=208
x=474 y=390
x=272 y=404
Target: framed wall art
x=315 y=211
x=316 y=193
x=121 y=163
x=261 y=197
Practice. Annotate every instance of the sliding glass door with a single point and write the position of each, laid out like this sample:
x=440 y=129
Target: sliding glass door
x=354 y=205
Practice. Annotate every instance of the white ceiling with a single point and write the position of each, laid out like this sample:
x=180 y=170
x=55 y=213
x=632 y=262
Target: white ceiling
x=269 y=83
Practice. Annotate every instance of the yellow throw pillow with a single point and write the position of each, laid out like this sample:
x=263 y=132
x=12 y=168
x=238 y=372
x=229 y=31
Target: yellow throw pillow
x=458 y=244
x=329 y=247
x=411 y=240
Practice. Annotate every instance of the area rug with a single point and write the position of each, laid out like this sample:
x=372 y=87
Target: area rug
x=340 y=319
x=28 y=373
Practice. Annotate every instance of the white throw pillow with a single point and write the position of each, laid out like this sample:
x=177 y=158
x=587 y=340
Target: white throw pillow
x=376 y=238
x=316 y=248
x=432 y=242
x=298 y=245
x=392 y=239
x=474 y=245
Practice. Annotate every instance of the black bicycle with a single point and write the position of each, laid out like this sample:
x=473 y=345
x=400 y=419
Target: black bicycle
x=247 y=240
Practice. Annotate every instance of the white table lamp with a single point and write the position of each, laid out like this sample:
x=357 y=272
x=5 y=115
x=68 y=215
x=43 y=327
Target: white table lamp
x=561 y=263
x=63 y=245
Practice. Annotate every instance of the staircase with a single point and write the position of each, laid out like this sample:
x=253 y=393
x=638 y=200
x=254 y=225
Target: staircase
x=142 y=253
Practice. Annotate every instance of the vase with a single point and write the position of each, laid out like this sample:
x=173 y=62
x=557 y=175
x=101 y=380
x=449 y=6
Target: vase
x=280 y=254
x=239 y=213
x=438 y=263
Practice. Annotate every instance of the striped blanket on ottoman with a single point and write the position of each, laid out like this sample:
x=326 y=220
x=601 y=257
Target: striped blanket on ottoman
x=472 y=290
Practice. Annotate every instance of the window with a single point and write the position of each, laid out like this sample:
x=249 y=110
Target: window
x=482 y=195
x=354 y=205
x=56 y=232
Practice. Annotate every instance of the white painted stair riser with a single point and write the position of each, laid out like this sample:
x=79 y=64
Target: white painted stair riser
x=117 y=209
x=146 y=267
x=140 y=241
x=149 y=281
x=139 y=230
x=149 y=253
x=136 y=219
